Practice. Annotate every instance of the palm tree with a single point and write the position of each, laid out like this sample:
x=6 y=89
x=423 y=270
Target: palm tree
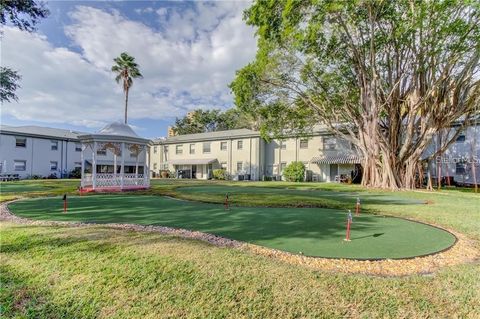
x=126 y=70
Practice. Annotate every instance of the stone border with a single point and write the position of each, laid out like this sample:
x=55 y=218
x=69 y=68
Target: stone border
x=463 y=251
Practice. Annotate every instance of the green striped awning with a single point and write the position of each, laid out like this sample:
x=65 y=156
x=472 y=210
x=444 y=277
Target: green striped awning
x=337 y=159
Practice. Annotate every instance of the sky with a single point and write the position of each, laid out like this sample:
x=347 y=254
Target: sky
x=188 y=53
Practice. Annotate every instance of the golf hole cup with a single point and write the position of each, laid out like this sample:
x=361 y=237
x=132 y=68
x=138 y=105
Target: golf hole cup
x=349 y=223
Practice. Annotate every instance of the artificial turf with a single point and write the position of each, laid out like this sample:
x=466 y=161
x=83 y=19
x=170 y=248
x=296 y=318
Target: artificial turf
x=310 y=231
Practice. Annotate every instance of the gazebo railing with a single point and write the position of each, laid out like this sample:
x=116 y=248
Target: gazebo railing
x=106 y=180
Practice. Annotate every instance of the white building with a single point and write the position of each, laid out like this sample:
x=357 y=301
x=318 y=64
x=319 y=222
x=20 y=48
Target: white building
x=245 y=155
x=41 y=151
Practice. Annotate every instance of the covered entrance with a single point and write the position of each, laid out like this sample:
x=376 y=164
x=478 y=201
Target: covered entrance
x=339 y=168
x=194 y=168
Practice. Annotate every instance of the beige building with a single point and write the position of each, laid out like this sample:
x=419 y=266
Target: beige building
x=245 y=155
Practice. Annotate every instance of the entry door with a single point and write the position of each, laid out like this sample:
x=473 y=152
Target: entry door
x=194 y=171
x=333 y=172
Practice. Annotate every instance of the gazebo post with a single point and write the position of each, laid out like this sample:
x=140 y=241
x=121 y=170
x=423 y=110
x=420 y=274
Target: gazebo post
x=94 y=165
x=122 y=168
x=136 y=168
x=82 y=167
x=146 y=167
x=115 y=167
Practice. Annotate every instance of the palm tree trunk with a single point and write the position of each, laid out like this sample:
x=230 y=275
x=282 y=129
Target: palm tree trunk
x=126 y=104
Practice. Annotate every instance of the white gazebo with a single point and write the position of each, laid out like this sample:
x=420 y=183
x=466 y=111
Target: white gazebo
x=114 y=159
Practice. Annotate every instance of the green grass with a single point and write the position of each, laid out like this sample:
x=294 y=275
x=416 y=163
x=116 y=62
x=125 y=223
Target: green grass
x=96 y=272
x=315 y=232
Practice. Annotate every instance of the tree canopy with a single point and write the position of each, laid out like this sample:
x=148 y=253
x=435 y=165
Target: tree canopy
x=386 y=75
x=23 y=14
x=200 y=121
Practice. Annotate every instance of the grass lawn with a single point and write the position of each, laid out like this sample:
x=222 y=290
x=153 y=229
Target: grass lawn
x=315 y=232
x=96 y=272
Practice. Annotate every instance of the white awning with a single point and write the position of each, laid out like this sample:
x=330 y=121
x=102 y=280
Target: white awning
x=192 y=161
x=337 y=159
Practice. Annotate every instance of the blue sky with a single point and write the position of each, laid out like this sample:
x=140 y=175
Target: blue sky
x=188 y=53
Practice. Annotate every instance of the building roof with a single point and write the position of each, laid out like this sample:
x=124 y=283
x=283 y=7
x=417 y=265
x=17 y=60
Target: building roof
x=40 y=131
x=217 y=135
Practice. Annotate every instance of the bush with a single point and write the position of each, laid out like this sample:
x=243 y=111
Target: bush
x=75 y=173
x=294 y=172
x=164 y=174
x=220 y=174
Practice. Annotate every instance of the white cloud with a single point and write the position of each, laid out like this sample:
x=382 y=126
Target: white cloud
x=186 y=63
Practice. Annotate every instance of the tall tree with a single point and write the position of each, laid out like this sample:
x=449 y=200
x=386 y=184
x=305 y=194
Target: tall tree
x=126 y=69
x=385 y=75
x=24 y=14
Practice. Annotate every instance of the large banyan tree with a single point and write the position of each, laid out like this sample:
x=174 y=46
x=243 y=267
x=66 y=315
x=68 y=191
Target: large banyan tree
x=387 y=75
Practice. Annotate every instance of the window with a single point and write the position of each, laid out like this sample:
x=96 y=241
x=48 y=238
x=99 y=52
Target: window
x=303 y=143
x=223 y=146
x=179 y=149
x=20 y=142
x=223 y=165
x=329 y=143
x=192 y=148
x=53 y=166
x=165 y=148
x=19 y=165
x=282 y=166
x=54 y=146
x=239 y=166
x=78 y=147
x=154 y=165
x=239 y=145
x=102 y=152
x=459 y=168
x=78 y=164
x=206 y=147
x=154 y=150
x=283 y=145
x=460 y=138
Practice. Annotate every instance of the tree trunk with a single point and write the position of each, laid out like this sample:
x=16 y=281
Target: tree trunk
x=126 y=104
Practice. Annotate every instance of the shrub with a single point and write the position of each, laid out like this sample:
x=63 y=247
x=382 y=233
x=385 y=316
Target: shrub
x=220 y=174
x=75 y=173
x=164 y=174
x=294 y=172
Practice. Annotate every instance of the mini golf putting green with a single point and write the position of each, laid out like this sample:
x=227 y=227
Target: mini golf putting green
x=387 y=198
x=311 y=231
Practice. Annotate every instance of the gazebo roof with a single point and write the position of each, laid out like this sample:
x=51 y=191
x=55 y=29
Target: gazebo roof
x=115 y=131
x=118 y=129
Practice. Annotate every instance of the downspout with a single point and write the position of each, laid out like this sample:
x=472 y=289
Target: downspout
x=61 y=159
x=31 y=158
x=66 y=157
x=250 y=165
